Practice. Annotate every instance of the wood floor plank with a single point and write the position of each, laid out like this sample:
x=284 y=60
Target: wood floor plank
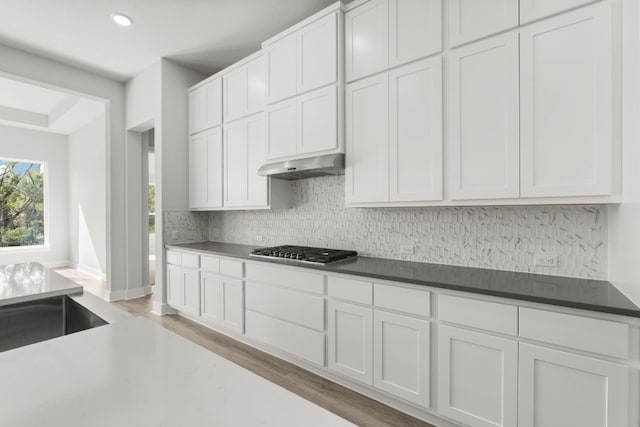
x=346 y=403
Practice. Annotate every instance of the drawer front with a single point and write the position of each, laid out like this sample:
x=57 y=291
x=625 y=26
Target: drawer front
x=210 y=264
x=491 y=316
x=412 y=301
x=174 y=257
x=230 y=267
x=190 y=260
x=297 y=307
x=582 y=333
x=287 y=277
x=296 y=340
x=350 y=290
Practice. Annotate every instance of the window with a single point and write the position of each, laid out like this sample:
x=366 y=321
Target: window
x=152 y=209
x=21 y=203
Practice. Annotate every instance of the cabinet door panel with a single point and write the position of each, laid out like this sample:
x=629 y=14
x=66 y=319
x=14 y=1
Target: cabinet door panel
x=478 y=378
x=191 y=291
x=235 y=165
x=350 y=341
x=197 y=110
x=256 y=85
x=175 y=286
x=415 y=29
x=367 y=168
x=562 y=389
x=367 y=39
x=415 y=132
x=210 y=297
x=317 y=121
x=257 y=186
x=198 y=171
x=401 y=356
x=232 y=304
x=566 y=105
x=281 y=129
x=235 y=94
x=281 y=69
x=213 y=171
x=483 y=123
x=530 y=10
x=472 y=20
x=318 y=54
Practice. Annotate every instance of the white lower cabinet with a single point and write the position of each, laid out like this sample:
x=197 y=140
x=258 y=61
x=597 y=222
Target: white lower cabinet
x=350 y=333
x=210 y=291
x=401 y=346
x=477 y=378
x=222 y=301
x=183 y=287
x=558 y=388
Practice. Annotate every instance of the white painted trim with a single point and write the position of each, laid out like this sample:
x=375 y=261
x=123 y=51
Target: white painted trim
x=161 y=309
x=113 y=296
x=92 y=271
x=315 y=17
x=57 y=264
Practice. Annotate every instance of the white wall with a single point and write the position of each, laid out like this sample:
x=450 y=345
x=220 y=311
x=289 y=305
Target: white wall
x=624 y=219
x=87 y=198
x=24 y=144
x=15 y=63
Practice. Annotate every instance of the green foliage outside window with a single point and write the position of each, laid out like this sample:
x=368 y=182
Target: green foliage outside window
x=152 y=209
x=21 y=204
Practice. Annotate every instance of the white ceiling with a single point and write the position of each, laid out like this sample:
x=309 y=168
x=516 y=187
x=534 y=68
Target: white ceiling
x=34 y=107
x=205 y=35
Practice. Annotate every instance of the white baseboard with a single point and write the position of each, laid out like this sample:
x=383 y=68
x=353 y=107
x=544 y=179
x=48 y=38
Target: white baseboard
x=161 y=309
x=92 y=271
x=57 y=264
x=112 y=296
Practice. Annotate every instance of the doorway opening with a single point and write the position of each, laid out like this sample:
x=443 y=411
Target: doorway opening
x=149 y=243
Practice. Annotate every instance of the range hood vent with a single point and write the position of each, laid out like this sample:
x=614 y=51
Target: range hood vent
x=330 y=164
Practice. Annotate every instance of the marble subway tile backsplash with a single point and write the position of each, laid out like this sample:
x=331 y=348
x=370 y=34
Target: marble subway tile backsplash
x=505 y=238
x=185 y=226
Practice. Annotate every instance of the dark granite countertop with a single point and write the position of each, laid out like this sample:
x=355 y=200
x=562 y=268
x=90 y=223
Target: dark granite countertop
x=587 y=294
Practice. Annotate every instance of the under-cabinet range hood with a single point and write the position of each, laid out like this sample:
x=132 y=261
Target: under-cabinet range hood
x=330 y=164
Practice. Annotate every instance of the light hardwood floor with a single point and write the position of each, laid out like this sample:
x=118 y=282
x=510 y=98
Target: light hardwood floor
x=348 y=404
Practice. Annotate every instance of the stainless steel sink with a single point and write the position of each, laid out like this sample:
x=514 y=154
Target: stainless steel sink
x=34 y=321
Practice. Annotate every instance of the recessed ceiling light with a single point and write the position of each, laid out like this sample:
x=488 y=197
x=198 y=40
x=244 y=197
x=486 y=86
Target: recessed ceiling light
x=121 y=19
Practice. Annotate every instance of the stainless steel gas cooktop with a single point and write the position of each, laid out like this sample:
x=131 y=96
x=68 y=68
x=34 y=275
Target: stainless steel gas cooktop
x=304 y=254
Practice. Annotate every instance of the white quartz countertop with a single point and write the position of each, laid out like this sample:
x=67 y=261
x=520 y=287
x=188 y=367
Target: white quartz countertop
x=30 y=281
x=136 y=373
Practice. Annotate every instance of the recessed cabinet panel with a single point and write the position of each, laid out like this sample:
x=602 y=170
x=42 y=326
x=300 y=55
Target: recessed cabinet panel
x=472 y=20
x=317 y=54
x=566 y=105
x=210 y=291
x=478 y=378
x=367 y=39
x=563 y=389
x=401 y=356
x=415 y=29
x=191 y=291
x=317 y=121
x=367 y=168
x=281 y=69
x=235 y=164
x=235 y=94
x=257 y=186
x=205 y=106
x=205 y=169
x=281 y=129
x=232 y=303
x=350 y=341
x=530 y=10
x=256 y=85
x=415 y=131
x=483 y=123
x=175 y=286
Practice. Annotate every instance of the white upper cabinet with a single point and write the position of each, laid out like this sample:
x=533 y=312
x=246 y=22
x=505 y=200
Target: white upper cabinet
x=205 y=106
x=317 y=121
x=415 y=132
x=367 y=39
x=304 y=60
x=317 y=54
x=415 y=29
x=243 y=155
x=483 y=127
x=244 y=89
x=281 y=129
x=530 y=10
x=471 y=20
x=566 y=104
x=281 y=69
x=367 y=157
x=205 y=170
